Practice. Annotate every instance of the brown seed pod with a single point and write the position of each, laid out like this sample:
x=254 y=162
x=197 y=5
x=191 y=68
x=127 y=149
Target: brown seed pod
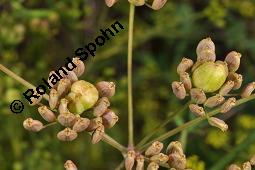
x=214 y=101
x=110 y=119
x=67 y=135
x=233 y=60
x=197 y=110
x=32 y=125
x=130 y=159
x=101 y=106
x=159 y=158
x=67 y=119
x=198 y=95
x=79 y=70
x=247 y=91
x=36 y=101
x=154 y=149
x=177 y=161
x=206 y=55
x=81 y=124
x=179 y=90
x=46 y=114
x=94 y=123
x=63 y=106
x=185 y=79
x=234 y=167
x=228 y=105
x=137 y=2
x=184 y=65
x=237 y=78
x=105 y=89
x=247 y=166
x=53 y=99
x=98 y=134
x=69 y=165
x=252 y=160
x=140 y=162
x=71 y=76
x=153 y=166
x=226 y=88
x=174 y=147
x=205 y=45
x=213 y=121
x=110 y=3
x=156 y=4
x=63 y=86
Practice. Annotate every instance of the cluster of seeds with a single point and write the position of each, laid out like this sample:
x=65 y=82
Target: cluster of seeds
x=69 y=98
x=211 y=82
x=246 y=165
x=174 y=157
x=154 y=4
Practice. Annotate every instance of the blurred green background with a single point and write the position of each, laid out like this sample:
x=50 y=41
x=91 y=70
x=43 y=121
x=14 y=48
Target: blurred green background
x=36 y=36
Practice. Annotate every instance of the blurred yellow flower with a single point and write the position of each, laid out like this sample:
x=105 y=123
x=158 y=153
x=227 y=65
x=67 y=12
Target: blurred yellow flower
x=193 y=162
x=217 y=138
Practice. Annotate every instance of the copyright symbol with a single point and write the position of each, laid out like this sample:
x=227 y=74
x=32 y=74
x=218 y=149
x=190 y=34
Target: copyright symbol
x=16 y=106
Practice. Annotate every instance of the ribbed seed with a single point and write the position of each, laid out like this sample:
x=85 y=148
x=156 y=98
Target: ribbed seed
x=67 y=119
x=32 y=125
x=63 y=106
x=101 y=106
x=159 y=158
x=81 y=124
x=174 y=147
x=46 y=114
x=67 y=135
x=79 y=70
x=179 y=90
x=110 y=119
x=197 y=95
x=53 y=99
x=184 y=66
x=130 y=160
x=234 y=167
x=214 y=101
x=63 y=86
x=197 y=110
x=247 y=166
x=226 y=88
x=154 y=149
x=140 y=162
x=69 y=165
x=213 y=121
x=247 y=91
x=105 y=89
x=98 y=134
x=228 y=105
x=233 y=60
x=185 y=79
x=177 y=161
x=237 y=78
x=95 y=123
x=110 y=3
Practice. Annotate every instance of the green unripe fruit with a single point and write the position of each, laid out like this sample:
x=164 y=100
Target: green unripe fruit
x=83 y=96
x=210 y=76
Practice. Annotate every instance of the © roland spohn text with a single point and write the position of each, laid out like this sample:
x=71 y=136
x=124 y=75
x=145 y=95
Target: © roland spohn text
x=83 y=53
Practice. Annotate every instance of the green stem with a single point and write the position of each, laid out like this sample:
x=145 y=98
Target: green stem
x=130 y=97
x=192 y=123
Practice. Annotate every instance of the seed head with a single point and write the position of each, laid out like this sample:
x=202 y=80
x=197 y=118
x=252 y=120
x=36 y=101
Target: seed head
x=101 y=106
x=46 y=114
x=79 y=70
x=233 y=60
x=214 y=101
x=213 y=121
x=32 y=125
x=247 y=166
x=226 y=88
x=105 y=89
x=198 y=95
x=130 y=160
x=95 y=123
x=234 y=167
x=174 y=147
x=179 y=90
x=185 y=79
x=67 y=119
x=156 y=4
x=63 y=86
x=140 y=162
x=184 y=66
x=237 y=78
x=63 y=106
x=228 y=105
x=247 y=91
x=197 y=110
x=69 y=165
x=159 y=158
x=67 y=135
x=98 y=134
x=177 y=161
x=53 y=99
x=154 y=149
x=81 y=124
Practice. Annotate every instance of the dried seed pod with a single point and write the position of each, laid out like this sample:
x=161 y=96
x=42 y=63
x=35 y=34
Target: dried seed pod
x=54 y=86
x=46 y=114
x=71 y=76
x=234 y=167
x=252 y=160
x=197 y=110
x=110 y=3
x=34 y=100
x=206 y=55
x=159 y=158
x=130 y=160
x=81 y=124
x=105 y=89
x=63 y=106
x=204 y=48
x=137 y=2
x=80 y=66
x=177 y=161
x=98 y=134
x=101 y=106
x=140 y=162
x=94 y=123
x=247 y=91
x=63 y=86
x=179 y=90
x=154 y=149
x=213 y=121
x=67 y=135
x=53 y=99
x=247 y=166
x=233 y=60
x=174 y=147
x=156 y=4
x=110 y=119
x=228 y=105
x=153 y=166
x=198 y=95
x=214 y=101
x=237 y=78
x=185 y=79
x=69 y=165
x=226 y=88
x=184 y=66
x=67 y=119
x=32 y=125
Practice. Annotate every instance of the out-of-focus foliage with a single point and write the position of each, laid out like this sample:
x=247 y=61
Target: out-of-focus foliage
x=37 y=36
